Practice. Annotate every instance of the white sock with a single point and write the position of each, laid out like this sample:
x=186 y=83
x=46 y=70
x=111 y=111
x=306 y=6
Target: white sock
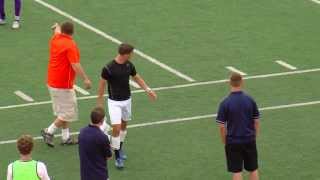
x=52 y=129
x=65 y=134
x=123 y=135
x=115 y=142
x=17 y=18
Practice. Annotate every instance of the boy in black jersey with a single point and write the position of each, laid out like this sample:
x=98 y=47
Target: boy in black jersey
x=116 y=74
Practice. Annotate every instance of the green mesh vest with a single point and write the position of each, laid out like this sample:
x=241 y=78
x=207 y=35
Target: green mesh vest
x=25 y=170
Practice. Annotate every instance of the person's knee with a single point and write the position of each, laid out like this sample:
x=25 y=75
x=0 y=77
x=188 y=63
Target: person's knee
x=116 y=128
x=123 y=125
x=237 y=176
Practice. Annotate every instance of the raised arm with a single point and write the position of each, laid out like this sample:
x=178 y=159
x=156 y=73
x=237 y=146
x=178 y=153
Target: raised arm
x=101 y=91
x=138 y=79
x=56 y=28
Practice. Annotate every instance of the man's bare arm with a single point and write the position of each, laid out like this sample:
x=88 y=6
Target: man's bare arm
x=56 y=28
x=257 y=126
x=222 y=129
x=101 y=91
x=80 y=72
x=138 y=79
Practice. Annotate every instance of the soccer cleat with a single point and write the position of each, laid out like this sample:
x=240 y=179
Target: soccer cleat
x=47 y=138
x=119 y=163
x=123 y=156
x=69 y=142
x=15 y=25
x=2 y=22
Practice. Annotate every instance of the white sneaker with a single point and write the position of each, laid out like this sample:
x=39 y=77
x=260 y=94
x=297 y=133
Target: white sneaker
x=2 y=21
x=15 y=25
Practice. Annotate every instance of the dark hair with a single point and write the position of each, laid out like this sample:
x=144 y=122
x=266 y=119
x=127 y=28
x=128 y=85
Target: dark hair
x=125 y=49
x=67 y=28
x=235 y=80
x=25 y=144
x=97 y=115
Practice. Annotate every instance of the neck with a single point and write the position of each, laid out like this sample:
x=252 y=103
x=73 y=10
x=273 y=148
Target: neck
x=25 y=157
x=96 y=125
x=120 y=60
x=236 y=89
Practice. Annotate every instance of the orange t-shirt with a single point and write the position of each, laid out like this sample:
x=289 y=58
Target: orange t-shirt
x=63 y=52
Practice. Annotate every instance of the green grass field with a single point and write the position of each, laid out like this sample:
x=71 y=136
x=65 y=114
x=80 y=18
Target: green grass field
x=197 y=38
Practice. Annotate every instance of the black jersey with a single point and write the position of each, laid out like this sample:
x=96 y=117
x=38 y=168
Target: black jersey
x=117 y=76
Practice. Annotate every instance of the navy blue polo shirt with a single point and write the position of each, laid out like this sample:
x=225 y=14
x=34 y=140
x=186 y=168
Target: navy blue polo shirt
x=94 y=149
x=238 y=113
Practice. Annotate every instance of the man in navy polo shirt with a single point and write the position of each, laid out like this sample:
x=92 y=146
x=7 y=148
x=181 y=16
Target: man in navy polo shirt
x=238 y=119
x=94 y=149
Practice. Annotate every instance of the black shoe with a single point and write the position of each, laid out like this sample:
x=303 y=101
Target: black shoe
x=69 y=142
x=47 y=138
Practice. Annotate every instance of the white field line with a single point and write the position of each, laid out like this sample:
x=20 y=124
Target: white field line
x=286 y=65
x=134 y=84
x=187 y=119
x=233 y=69
x=316 y=1
x=80 y=90
x=114 y=40
x=263 y=76
x=24 y=96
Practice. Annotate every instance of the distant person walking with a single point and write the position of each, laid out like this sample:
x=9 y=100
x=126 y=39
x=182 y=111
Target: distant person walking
x=17 y=11
x=238 y=118
x=26 y=168
x=94 y=148
x=64 y=65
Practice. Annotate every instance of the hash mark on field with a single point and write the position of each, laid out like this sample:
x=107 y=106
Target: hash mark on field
x=316 y=1
x=80 y=90
x=261 y=76
x=114 y=40
x=286 y=65
x=233 y=69
x=23 y=96
x=134 y=84
x=286 y=106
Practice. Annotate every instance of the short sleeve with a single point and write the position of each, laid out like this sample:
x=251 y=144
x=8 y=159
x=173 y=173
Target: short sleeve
x=256 y=113
x=133 y=71
x=9 y=172
x=105 y=73
x=73 y=54
x=221 y=116
x=42 y=171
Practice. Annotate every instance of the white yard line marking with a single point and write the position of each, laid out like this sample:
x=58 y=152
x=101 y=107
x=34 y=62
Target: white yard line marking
x=114 y=40
x=177 y=86
x=188 y=119
x=23 y=96
x=286 y=65
x=80 y=90
x=316 y=1
x=233 y=69
x=134 y=84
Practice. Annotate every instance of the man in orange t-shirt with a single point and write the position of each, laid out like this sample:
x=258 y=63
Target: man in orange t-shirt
x=64 y=65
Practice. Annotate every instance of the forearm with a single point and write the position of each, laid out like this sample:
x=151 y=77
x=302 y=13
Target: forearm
x=79 y=71
x=257 y=126
x=101 y=91
x=141 y=83
x=56 y=28
x=222 y=133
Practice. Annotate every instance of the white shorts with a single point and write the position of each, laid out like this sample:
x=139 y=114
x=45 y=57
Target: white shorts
x=64 y=104
x=119 y=110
